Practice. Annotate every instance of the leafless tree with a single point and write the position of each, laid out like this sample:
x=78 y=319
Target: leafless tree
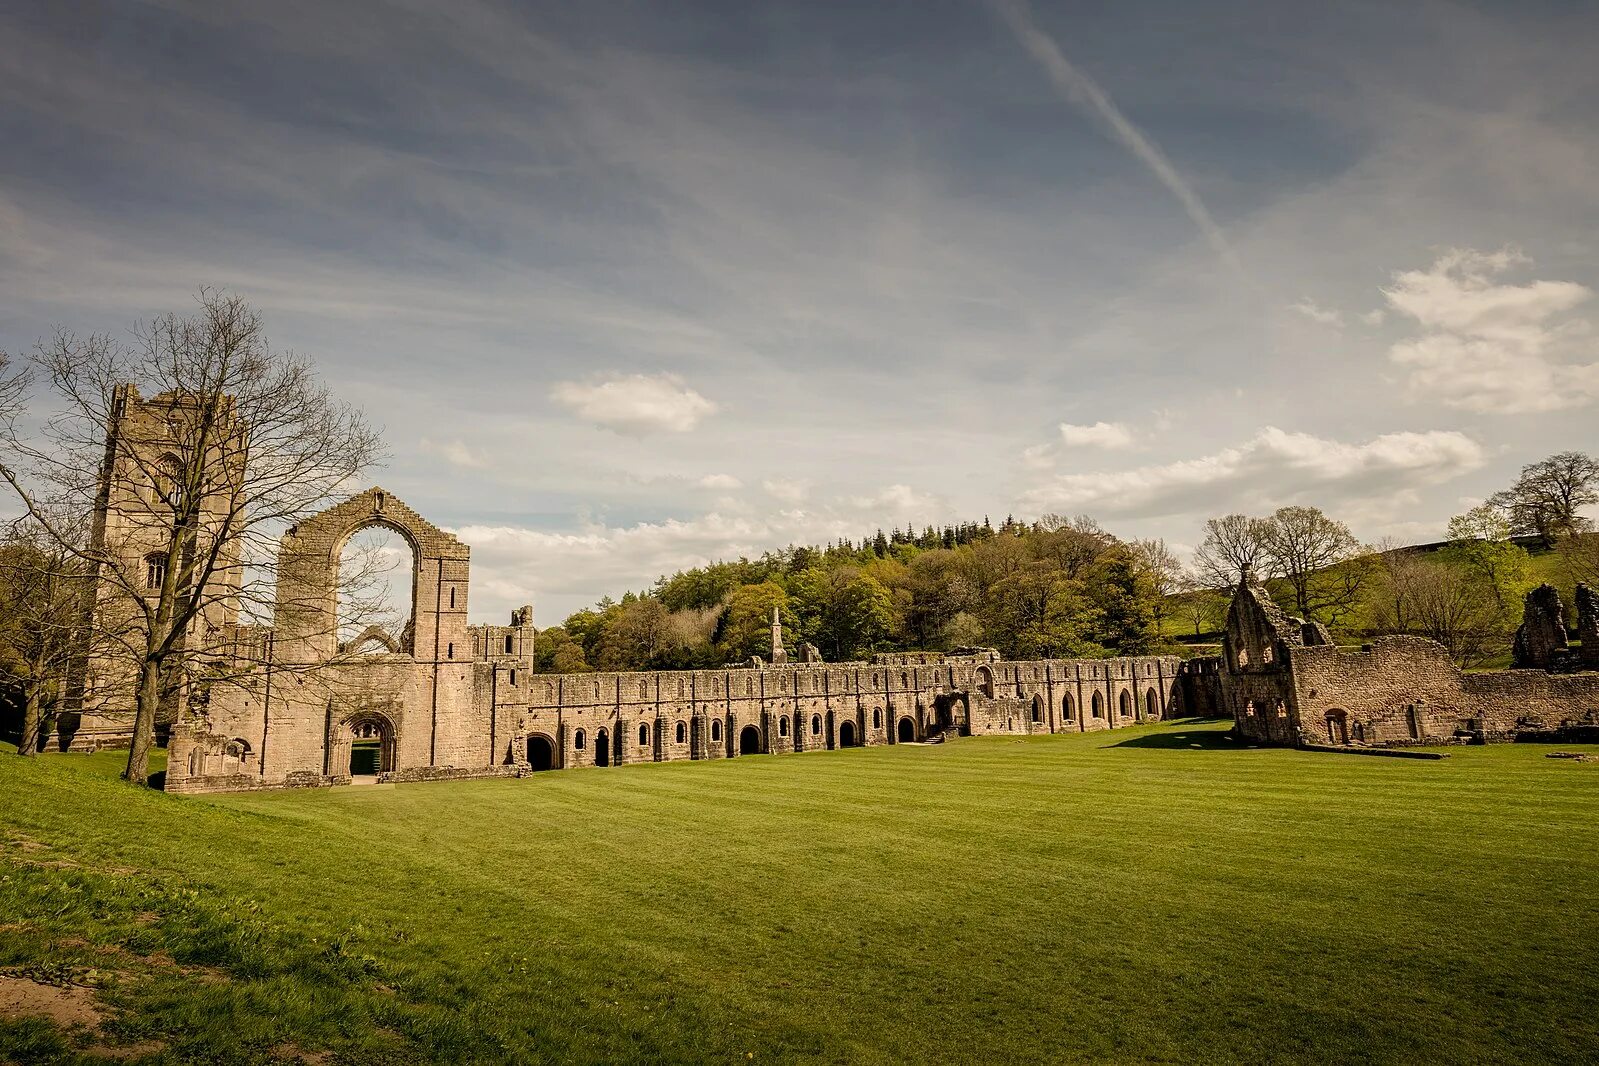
x=1402 y=571
x=1234 y=545
x=1579 y=558
x=1164 y=572
x=1304 y=545
x=1549 y=496
x=1202 y=605
x=42 y=587
x=255 y=443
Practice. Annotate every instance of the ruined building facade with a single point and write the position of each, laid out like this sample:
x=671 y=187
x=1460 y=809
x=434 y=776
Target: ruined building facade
x=455 y=700
x=1284 y=682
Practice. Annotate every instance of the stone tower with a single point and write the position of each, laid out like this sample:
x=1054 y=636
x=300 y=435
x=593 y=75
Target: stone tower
x=156 y=452
x=779 y=655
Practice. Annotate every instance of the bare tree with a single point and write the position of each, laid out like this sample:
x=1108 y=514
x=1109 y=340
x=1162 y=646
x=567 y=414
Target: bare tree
x=1234 y=545
x=1458 y=610
x=41 y=617
x=251 y=442
x=1579 y=558
x=1394 y=606
x=1202 y=605
x=1164 y=572
x=1304 y=546
x=1549 y=496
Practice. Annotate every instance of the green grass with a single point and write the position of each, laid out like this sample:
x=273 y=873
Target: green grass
x=1152 y=894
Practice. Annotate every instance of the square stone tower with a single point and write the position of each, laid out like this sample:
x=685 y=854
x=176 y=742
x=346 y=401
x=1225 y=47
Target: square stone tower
x=167 y=459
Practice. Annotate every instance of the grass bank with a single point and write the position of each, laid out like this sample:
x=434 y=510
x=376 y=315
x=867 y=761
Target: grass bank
x=1156 y=893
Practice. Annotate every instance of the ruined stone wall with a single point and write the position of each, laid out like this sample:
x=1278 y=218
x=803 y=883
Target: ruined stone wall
x=1406 y=690
x=459 y=700
x=470 y=719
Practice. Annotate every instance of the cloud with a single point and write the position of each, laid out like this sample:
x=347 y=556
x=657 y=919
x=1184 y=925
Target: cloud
x=1316 y=313
x=1272 y=468
x=720 y=481
x=1374 y=317
x=1492 y=346
x=454 y=452
x=563 y=571
x=789 y=490
x=1108 y=435
x=1086 y=95
x=901 y=501
x=635 y=404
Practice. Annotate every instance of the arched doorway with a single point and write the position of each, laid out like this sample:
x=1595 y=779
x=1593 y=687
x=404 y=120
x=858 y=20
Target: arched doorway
x=1125 y=705
x=985 y=681
x=1151 y=705
x=1038 y=709
x=846 y=734
x=540 y=752
x=907 y=731
x=1337 y=727
x=371 y=740
x=602 y=748
x=749 y=741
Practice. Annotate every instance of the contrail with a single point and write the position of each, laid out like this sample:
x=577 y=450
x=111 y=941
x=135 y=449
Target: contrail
x=1084 y=93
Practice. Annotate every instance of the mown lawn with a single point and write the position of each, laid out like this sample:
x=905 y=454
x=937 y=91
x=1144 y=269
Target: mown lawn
x=1153 y=894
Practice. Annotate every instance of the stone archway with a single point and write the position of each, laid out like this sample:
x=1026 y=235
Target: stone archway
x=365 y=747
x=602 y=748
x=749 y=741
x=540 y=752
x=846 y=734
x=907 y=731
x=1337 y=727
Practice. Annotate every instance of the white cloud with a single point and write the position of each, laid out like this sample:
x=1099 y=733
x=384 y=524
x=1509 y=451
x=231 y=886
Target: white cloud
x=899 y=501
x=635 y=404
x=789 y=490
x=1491 y=346
x=564 y=571
x=1271 y=468
x=1316 y=313
x=1108 y=435
x=1038 y=457
x=720 y=481
x=1374 y=317
x=455 y=452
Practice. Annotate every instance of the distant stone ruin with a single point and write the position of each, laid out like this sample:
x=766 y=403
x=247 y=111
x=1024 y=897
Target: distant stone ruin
x=1283 y=683
x=1541 y=641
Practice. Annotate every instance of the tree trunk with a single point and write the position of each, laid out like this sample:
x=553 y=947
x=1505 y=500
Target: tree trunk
x=138 y=770
x=29 y=744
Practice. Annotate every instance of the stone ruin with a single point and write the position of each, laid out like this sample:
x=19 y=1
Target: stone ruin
x=1541 y=641
x=1588 y=627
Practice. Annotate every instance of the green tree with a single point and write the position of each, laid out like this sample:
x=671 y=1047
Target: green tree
x=1036 y=613
x=1125 y=596
x=1479 y=541
x=744 y=628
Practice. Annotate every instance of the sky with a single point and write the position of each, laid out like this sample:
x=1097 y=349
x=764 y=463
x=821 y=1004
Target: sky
x=633 y=286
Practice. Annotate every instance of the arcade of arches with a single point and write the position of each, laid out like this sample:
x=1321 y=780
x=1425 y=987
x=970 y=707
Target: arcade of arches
x=463 y=700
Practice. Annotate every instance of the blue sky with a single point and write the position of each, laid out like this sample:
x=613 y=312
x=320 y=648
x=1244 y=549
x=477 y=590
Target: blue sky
x=631 y=286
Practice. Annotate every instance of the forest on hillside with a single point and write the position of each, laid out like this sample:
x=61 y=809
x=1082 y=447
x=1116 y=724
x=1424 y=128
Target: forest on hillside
x=1066 y=587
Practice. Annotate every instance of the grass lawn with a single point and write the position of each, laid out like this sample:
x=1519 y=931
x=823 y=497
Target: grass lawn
x=1152 y=894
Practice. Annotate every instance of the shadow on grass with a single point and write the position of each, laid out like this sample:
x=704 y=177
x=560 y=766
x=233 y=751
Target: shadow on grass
x=1203 y=736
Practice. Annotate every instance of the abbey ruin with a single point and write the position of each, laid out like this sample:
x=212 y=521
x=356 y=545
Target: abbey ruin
x=290 y=704
x=1285 y=682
